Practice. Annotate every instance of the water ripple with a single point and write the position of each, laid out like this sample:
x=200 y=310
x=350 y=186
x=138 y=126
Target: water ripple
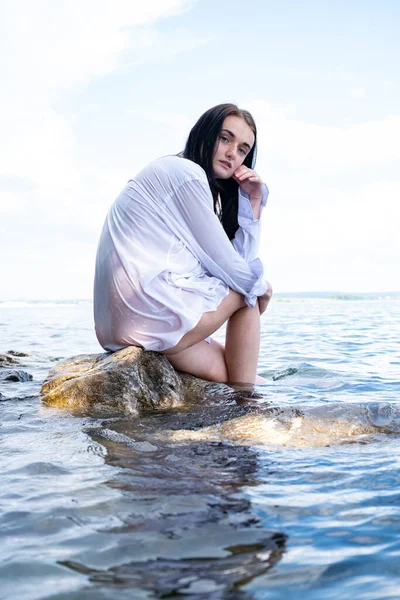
x=296 y=496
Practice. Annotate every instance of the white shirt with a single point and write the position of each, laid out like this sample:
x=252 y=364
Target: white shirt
x=164 y=259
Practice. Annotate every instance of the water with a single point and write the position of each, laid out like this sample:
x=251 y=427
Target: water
x=292 y=493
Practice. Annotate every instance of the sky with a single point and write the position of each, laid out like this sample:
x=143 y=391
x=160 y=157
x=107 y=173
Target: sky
x=93 y=90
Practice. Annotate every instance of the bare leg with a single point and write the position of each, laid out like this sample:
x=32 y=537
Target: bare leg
x=243 y=344
x=203 y=360
x=206 y=361
x=195 y=356
x=209 y=323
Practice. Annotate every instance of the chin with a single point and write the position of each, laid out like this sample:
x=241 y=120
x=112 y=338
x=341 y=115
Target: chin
x=219 y=174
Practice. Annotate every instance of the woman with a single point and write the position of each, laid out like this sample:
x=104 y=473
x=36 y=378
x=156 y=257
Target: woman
x=177 y=254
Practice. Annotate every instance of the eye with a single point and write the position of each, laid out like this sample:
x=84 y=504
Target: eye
x=224 y=138
x=243 y=151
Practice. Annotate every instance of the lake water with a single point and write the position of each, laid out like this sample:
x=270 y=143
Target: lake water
x=291 y=492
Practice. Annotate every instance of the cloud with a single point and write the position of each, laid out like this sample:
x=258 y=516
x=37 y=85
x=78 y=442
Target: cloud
x=149 y=45
x=357 y=92
x=331 y=216
x=57 y=46
x=14 y=183
x=176 y=121
x=48 y=50
x=289 y=140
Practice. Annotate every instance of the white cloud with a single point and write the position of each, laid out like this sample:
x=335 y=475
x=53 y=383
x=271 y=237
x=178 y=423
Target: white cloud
x=332 y=220
x=357 y=92
x=58 y=45
x=150 y=45
x=47 y=49
x=175 y=121
x=285 y=138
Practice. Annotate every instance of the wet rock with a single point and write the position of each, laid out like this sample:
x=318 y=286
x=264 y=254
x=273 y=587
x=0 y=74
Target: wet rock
x=18 y=354
x=15 y=375
x=195 y=389
x=130 y=380
x=285 y=373
x=7 y=359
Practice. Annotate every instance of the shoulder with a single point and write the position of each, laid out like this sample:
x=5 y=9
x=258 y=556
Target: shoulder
x=179 y=169
x=162 y=177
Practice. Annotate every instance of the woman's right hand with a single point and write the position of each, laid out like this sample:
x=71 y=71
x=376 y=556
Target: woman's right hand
x=263 y=300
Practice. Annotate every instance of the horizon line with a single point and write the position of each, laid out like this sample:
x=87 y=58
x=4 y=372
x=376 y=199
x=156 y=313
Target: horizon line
x=275 y=294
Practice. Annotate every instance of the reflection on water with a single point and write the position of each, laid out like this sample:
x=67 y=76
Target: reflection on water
x=122 y=509
x=190 y=530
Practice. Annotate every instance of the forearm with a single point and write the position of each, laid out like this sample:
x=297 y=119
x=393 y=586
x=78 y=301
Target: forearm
x=247 y=237
x=190 y=217
x=255 y=203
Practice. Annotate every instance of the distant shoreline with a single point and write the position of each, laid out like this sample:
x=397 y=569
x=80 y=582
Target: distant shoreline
x=279 y=296
x=338 y=295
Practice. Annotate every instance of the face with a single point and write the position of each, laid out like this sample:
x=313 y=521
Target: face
x=235 y=141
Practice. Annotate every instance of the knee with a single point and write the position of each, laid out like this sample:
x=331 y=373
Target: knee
x=218 y=372
x=218 y=376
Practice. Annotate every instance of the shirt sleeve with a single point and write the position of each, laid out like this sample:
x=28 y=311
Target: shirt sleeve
x=189 y=214
x=247 y=238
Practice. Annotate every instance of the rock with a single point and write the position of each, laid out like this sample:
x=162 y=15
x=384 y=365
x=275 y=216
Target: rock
x=15 y=375
x=7 y=359
x=18 y=354
x=130 y=380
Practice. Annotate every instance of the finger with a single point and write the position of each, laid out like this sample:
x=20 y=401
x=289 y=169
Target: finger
x=236 y=179
x=248 y=176
x=242 y=169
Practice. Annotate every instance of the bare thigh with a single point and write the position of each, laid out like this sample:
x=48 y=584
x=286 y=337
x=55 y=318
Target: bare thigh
x=203 y=360
x=209 y=323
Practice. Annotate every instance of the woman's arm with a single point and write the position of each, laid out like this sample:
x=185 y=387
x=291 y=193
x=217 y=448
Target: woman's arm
x=189 y=214
x=247 y=238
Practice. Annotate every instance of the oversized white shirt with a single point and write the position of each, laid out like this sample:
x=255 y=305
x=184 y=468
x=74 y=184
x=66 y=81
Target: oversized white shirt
x=164 y=259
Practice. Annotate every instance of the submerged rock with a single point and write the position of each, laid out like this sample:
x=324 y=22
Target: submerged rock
x=133 y=380
x=7 y=359
x=15 y=375
x=130 y=380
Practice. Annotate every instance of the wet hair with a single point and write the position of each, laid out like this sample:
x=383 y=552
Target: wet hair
x=200 y=147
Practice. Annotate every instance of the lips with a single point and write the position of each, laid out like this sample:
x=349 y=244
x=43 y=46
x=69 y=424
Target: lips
x=226 y=164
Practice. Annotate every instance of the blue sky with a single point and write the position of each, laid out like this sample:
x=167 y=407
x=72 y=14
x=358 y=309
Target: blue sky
x=92 y=91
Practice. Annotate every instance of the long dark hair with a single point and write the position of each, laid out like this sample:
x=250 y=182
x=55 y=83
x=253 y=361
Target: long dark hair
x=200 y=147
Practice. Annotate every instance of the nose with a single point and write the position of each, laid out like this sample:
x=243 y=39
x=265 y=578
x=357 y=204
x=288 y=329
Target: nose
x=231 y=151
